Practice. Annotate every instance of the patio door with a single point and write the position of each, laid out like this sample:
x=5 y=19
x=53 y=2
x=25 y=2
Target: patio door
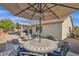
x=30 y=31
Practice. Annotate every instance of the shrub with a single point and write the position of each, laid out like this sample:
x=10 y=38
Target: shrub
x=7 y=24
x=72 y=35
x=77 y=34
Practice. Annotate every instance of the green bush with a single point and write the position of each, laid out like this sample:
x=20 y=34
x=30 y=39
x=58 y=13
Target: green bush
x=77 y=34
x=77 y=31
x=72 y=35
x=7 y=24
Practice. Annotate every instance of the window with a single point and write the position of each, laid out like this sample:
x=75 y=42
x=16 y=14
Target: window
x=38 y=29
x=30 y=31
x=70 y=30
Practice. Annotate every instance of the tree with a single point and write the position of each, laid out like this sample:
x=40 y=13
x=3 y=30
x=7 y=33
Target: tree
x=76 y=27
x=7 y=24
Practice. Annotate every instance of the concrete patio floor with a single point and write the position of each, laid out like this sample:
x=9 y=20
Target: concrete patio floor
x=74 y=44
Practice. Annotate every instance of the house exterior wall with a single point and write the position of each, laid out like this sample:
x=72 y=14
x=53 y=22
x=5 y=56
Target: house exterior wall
x=65 y=27
x=54 y=29
x=59 y=30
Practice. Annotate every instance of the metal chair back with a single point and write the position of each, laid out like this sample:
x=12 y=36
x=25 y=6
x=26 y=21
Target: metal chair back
x=64 y=48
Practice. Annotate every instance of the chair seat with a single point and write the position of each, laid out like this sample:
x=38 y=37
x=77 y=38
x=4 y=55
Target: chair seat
x=30 y=54
x=71 y=54
x=13 y=53
x=55 y=53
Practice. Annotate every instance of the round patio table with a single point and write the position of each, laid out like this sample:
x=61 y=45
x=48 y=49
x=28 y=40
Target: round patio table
x=45 y=46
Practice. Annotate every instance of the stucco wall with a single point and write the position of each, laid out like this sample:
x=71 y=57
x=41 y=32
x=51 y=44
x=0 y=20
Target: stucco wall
x=54 y=29
x=65 y=27
x=59 y=30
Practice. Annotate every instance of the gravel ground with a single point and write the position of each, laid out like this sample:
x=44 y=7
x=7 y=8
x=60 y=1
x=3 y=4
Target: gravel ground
x=7 y=37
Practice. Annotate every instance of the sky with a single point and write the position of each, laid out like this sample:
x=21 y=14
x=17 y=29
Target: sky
x=6 y=14
x=75 y=18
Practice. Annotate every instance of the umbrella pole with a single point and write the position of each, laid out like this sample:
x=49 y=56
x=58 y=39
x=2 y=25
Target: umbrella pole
x=40 y=30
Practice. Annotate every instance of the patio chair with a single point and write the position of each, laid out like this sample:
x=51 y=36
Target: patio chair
x=50 y=37
x=21 y=51
x=14 y=41
x=34 y=36
x=62 y=51
x=29 y=54
x=6 y=49
x=24 y=38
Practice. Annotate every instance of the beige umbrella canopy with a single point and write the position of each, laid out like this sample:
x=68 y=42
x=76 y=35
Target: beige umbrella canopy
x=46 y=11
x=42 y=11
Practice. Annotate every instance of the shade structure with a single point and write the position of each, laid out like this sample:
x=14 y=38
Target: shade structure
x=42 y=11
x=48 y=11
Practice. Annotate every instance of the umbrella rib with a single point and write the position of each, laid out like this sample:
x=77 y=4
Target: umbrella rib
x=53 y=12
x=24 y=9
x=66 y=6
x=44 y=6
x=31 y=9
x=50 y=7
x=43 y=15
x=43 y=12
x=34 y=12
x=32 y=6
x=40 y=8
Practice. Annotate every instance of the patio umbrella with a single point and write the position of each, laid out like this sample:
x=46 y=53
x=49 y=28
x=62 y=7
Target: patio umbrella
x=42 y=11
